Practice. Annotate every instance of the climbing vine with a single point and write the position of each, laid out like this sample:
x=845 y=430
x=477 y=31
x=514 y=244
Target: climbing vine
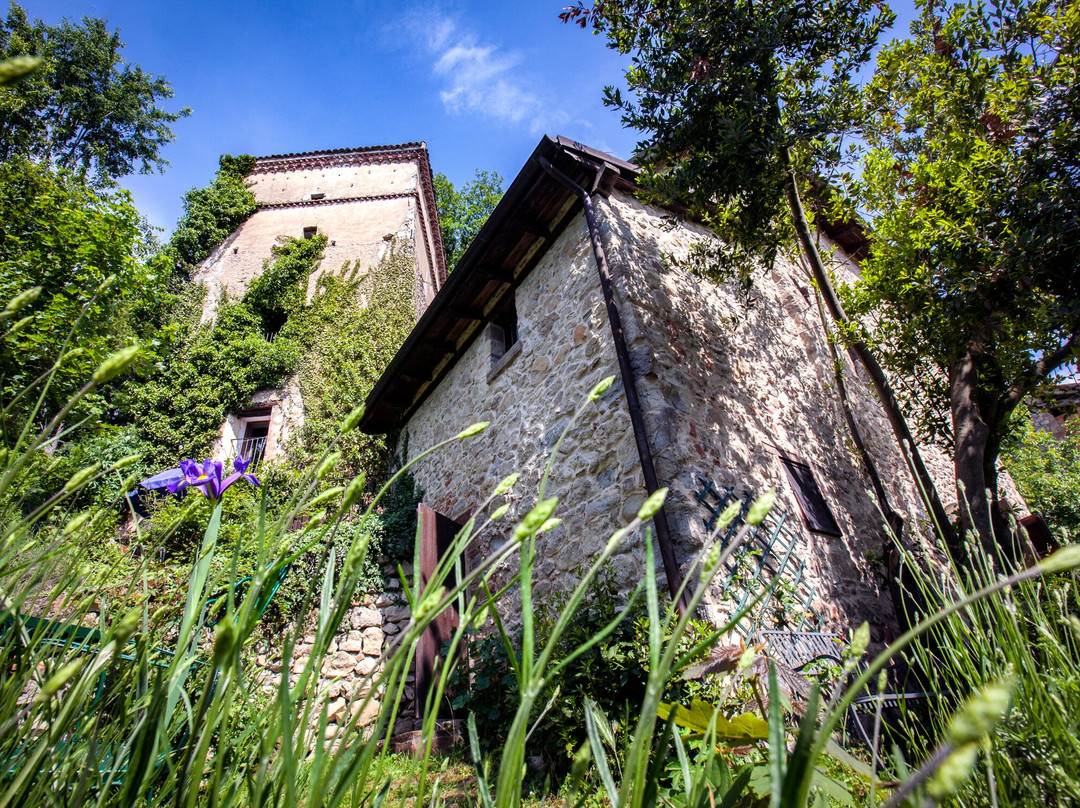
x=356 y=327
x=214 y=369
x=337 y=344
x=210 y=215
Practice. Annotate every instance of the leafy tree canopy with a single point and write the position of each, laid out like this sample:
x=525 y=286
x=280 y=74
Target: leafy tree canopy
x=725 y=92
x=738 y=102
x=84 y=109
x=462 y=212
x=973 y=183
x=58 y=235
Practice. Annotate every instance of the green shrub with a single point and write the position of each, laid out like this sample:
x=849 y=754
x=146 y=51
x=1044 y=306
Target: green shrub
x=1047 y=472
x=613 y=674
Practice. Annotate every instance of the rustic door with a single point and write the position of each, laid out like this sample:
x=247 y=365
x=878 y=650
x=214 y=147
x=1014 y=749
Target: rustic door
x=437 y=532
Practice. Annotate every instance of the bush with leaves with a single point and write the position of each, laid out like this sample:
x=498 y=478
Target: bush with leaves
x=66 y=240
x=1046 y=470
x=464 y=210
x=613 y=674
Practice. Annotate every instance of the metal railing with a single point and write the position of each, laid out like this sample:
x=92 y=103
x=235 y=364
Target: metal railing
x=249 y=448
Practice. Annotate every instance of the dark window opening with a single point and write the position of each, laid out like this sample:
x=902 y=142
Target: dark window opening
x=815 y=510
x=318 y=195
x=272 y=322
x=504 y=331
x=253 y=433
x=311 y=232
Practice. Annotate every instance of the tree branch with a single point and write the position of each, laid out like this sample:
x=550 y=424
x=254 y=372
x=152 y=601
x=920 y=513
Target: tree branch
x=1040 y=370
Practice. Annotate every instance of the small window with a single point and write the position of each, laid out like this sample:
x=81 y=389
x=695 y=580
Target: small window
x=311 y=232
x=504 y=331
x=318 y=195
x=253 y=431
x=815 y=510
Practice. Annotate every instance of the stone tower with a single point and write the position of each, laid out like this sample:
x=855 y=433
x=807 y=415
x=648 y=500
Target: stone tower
x=365 y=202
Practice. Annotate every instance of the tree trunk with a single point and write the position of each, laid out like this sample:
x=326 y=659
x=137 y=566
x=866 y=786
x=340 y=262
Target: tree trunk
x=970 y=435
x=977 y=434
x=908 y=447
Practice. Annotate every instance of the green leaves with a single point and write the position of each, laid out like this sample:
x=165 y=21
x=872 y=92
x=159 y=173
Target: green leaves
x=79 y=104
x=722 y=90
x=210 y=214
x=700 y=716
x=462 y=212
x=971 y=184
x=61 y=242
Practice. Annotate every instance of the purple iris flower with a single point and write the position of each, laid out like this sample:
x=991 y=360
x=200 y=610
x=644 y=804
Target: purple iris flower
x=208 y=478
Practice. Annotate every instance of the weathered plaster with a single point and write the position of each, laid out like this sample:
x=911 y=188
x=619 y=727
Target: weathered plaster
x=365 y=209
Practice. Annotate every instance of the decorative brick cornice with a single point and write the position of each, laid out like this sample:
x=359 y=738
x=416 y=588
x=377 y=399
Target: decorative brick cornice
x=311 y=203
x=374 y=155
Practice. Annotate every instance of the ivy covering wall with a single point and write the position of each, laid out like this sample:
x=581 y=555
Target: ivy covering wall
x=336 y=344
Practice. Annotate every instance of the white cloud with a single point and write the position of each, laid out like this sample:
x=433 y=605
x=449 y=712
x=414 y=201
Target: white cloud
x=477 y=77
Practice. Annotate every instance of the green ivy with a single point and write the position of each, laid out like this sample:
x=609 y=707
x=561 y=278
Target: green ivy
x=355 y=325
x=281 y=289
x=214 y=369
x=210 y=215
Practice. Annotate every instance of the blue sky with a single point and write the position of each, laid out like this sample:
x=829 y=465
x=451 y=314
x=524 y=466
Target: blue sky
x=480 y=82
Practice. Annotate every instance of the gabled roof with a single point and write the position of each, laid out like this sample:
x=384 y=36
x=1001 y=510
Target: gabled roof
x=532 y=214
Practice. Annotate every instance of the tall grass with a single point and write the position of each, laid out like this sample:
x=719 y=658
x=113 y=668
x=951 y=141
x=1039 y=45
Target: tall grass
x=1029 y=634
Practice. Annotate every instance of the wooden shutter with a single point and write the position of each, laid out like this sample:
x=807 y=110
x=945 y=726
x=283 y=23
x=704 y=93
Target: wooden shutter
x=815 y=510
x=436 y=534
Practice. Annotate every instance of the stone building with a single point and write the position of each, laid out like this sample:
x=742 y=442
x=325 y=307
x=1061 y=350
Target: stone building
x=722 y=400
x=365 y=202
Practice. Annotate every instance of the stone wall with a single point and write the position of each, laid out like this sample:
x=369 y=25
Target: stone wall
x=727 y=389
x=724 y=389
x=565 y=349
x=348 y=670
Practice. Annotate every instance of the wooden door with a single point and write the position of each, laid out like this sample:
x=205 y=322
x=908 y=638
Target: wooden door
x=437 y=532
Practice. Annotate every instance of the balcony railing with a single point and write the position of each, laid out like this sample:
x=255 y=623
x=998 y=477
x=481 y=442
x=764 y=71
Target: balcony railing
x=250 y=449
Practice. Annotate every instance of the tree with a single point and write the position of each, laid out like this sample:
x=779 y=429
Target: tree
x=974 y=188
x=58 y=235
x=463 y=212
x=739 y=101
x=84 y=109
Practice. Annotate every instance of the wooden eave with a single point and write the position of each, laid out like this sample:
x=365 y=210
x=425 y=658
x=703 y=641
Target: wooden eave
x=533 y=212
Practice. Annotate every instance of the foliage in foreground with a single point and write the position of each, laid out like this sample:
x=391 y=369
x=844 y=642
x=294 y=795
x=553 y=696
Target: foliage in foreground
x=1029 y=635
x=161 y=705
